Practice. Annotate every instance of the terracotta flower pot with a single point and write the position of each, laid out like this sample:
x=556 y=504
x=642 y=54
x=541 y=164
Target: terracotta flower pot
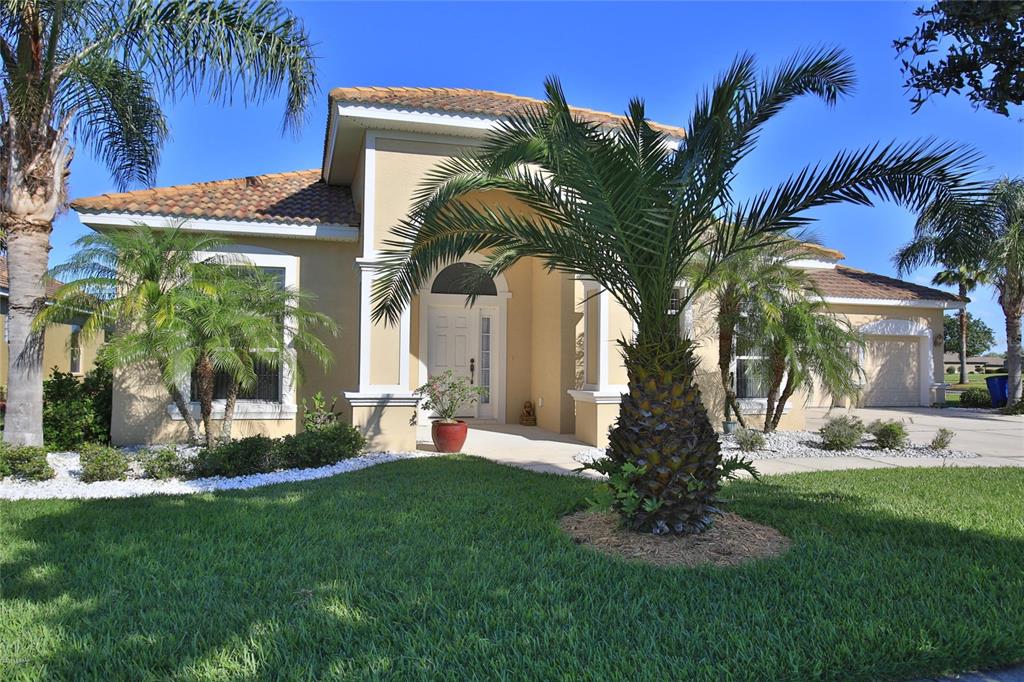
x=449 y=436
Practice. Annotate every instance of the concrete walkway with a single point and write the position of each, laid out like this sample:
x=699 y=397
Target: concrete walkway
x=999 y=439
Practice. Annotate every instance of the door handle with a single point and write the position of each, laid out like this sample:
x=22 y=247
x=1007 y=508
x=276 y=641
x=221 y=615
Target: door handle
x=472 y=369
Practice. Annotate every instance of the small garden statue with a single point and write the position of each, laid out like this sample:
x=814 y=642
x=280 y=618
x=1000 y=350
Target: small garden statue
x=528 y=417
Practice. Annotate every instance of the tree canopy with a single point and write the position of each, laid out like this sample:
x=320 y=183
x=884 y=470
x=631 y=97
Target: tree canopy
x=980 y=336
x=982 y=53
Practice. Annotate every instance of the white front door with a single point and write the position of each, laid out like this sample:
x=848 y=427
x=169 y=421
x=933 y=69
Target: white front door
x=453 y=345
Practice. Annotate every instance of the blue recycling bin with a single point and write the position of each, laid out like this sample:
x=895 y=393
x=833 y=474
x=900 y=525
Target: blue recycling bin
x=998 y=390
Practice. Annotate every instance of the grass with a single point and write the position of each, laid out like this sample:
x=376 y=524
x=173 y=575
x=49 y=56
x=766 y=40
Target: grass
x=973 y=379
x=453 y=568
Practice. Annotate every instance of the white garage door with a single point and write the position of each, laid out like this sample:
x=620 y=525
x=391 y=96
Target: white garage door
x=892 y=372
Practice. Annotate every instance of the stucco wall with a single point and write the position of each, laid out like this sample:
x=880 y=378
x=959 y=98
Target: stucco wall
x=56 y=350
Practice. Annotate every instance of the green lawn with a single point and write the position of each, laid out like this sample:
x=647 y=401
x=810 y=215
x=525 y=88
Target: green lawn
x=454 y=568
x=973 y=379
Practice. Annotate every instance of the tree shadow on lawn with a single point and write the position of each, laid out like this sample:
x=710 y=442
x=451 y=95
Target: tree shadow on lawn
x=456 y=568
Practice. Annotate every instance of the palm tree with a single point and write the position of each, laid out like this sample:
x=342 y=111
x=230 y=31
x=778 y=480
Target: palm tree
x=236 y=319
x=803 y=342
x=127 y=282
x=965 y=280
x=987 y=235
x=90 y=72
x=622 y=206
x=745 y=281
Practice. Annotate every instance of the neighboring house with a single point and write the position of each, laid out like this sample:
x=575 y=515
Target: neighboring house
x=532 y=335
x=980 y=364
x=63 y=347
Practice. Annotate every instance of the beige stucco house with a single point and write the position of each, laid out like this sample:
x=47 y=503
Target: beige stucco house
x=532 y=335
x=64 y=349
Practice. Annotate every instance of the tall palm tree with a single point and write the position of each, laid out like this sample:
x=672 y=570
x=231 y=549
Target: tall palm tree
x=804 y=342
x=750 y=279
x=987 y=235
x=235 y=318
x=91 y=72
x=622 y=206
x=965 y=280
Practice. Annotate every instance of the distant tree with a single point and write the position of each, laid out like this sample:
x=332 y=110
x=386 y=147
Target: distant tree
x=980 y=336
x=965 y=279
x=984 y=53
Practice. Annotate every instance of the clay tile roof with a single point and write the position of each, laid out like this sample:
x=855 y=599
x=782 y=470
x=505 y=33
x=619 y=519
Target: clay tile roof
x=467 y=101
x=298 y=197
x=51 y=284
x=850 y=283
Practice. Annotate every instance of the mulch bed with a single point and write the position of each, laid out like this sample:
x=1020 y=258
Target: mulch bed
x=731 y=541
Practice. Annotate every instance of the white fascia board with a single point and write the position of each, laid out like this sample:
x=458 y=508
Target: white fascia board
x=897 y=303
x=812 y=264
x=466 y=123
x=345 y=233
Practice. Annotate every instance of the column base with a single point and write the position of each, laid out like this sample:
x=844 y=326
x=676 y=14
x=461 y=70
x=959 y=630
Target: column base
x=596 y=412
x=387 y=420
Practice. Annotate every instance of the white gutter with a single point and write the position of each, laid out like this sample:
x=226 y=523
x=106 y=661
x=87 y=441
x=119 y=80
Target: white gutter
x=333 y=232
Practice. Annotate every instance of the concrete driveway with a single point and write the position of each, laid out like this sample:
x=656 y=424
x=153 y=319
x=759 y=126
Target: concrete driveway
x=997 y=438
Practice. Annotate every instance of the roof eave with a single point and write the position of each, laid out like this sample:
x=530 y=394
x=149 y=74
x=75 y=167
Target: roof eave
x=100 y=220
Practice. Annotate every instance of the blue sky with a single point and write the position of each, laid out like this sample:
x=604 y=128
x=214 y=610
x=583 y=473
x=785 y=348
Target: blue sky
x=604 y=54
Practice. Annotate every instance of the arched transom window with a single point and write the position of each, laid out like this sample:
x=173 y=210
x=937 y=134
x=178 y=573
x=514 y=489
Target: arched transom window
x=464 y=278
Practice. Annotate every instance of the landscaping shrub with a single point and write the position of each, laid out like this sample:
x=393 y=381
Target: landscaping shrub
x=251 y=455
x=162 y=463
x=943 y=437
x=318 y=448
x=749 y=439
x=24 y=461
x=102 y=463
x=890 y=435
x=76 y=412
x=975 y=396
x=318 y=416
x=841 y=433
x=1017 y=408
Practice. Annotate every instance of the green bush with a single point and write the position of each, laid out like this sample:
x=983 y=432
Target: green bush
x=749 y=439
x=251 y=455
x=942 y=439
x=1016 y=408
x=318 y=416
x=102 y=463
x=319 y=448
x=975 y=396
x=841 y=433
x=24 y=461
x=162 y=463
x=76 y=412
x=890 y=435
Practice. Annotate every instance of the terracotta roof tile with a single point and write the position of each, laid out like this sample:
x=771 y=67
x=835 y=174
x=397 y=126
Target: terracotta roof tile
x=51 y=285
x=298 y=197
x=850 y=283
x=467 y=101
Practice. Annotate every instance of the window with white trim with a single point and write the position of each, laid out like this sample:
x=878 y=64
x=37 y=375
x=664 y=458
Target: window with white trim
x=75 y=344
x=750 y=376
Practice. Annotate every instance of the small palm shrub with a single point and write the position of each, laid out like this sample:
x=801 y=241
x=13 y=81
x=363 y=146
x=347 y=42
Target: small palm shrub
x=890 y=435
x=102 y=463
x=975 y=396
x=841 y=433
x=251 y=455
x=749 y=439
x=24 y=461
x=319 y=448
x=943 y=437
x=162 y=463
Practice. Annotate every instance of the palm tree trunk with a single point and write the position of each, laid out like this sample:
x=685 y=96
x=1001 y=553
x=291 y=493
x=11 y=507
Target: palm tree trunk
x=664 y=428
x=205 y=376
x=34 y=161
x=1012 y=310
x=229 y=412
x=787 y=393
x=186 y=414
x=778 y=367
x=727 y=316
x=963 y=336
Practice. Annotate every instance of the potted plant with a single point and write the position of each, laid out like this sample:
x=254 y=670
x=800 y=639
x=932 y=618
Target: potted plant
x=443 y=395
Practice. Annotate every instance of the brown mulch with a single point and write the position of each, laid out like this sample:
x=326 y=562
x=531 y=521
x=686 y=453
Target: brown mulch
x=731 y=541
